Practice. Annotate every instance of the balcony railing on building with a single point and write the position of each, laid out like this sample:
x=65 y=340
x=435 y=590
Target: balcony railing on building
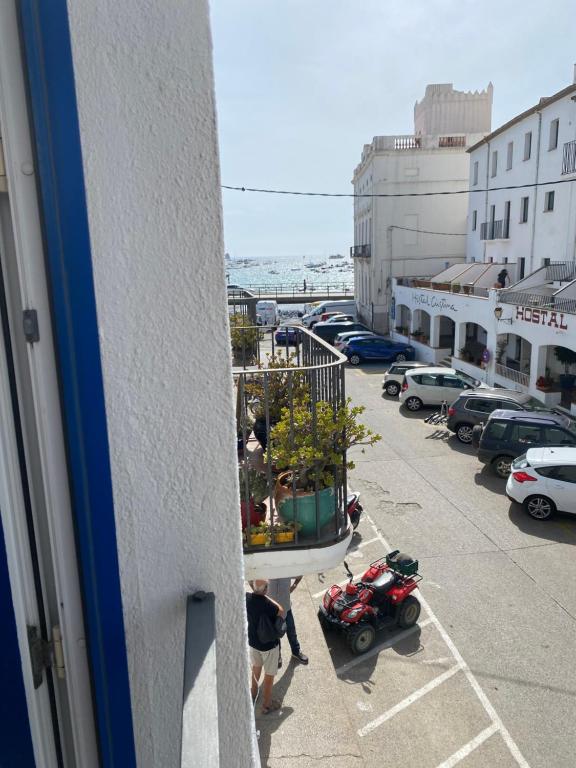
x=495 y=230
x=286 y=402
x=513 y=375
x=452 y=141
x=407 y=142
x=361 y=251
x=569 y=158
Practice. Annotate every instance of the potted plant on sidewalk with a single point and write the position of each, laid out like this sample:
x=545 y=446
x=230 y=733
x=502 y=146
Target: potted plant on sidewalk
x=309 y=444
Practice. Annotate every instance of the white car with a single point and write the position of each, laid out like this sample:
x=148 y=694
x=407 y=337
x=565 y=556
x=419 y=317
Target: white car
x=433 y=386
x=340 y=319
x=543 y=480
x=394 y=376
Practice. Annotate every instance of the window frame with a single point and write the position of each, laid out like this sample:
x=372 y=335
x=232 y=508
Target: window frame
x=474 y=220
x=549 y=201
x=553 y=135
x=509 y=155
x=475 y=173
x=527 y=145
x=494 y=164
x=524 y=209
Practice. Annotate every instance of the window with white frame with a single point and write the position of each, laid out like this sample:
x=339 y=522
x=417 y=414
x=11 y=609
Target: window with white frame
x=475 y=174
x=527 y=145
x=494 y=163
x=549 y=201
x=553 y=140
x=474 y=220
x=524 y=210
x=509 y=155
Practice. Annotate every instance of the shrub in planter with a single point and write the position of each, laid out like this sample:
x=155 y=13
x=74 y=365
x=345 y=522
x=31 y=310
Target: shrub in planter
x=257 y=493
x=309 y=445
x=244 y=339
x=273 y=389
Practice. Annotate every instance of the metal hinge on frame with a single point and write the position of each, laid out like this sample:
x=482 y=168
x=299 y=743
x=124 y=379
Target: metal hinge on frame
x=30 y=324
x=45 y=654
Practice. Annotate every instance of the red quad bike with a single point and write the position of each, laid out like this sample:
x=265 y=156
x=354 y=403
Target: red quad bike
x=382 y=598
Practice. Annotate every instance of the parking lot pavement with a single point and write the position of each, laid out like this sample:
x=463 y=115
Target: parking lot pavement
x=488 y=678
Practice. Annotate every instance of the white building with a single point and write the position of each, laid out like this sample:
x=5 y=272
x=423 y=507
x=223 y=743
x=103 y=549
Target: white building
x=390 y=234
x=534 y=224
x=509 y=337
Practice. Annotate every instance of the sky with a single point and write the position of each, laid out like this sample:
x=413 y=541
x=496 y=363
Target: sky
x=302 y=85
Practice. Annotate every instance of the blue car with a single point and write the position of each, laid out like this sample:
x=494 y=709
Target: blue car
x=288 y=334
x=376 y=348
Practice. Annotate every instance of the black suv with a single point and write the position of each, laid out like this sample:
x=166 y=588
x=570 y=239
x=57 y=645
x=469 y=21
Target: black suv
x=474 y=406
x=329 y=331
x=509 y=434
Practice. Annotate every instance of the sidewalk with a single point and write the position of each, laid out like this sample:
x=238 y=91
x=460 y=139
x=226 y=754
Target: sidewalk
x=312 y=727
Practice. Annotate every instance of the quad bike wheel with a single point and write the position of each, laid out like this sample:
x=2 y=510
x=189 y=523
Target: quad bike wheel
x=409 y=612
x=324 y=623
x=361 y=638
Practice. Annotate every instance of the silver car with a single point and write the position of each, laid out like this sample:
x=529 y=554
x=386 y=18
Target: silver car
x=395 y=374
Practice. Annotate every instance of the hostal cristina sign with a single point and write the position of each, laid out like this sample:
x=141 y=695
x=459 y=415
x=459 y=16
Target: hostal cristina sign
x=538 y=316
x=434 y=302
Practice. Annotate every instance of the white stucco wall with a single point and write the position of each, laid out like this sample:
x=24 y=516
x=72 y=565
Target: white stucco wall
x=546 y=234
x=147 y=115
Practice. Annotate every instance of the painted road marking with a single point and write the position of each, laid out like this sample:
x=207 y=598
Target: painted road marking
x=491 y=712
x=409 y=700
x=390 y=643
x=464 y=751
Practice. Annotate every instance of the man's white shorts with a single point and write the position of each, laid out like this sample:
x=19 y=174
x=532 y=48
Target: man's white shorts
x=266 y=659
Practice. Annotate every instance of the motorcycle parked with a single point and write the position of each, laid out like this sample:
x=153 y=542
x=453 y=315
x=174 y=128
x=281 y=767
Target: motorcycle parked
x=382 y=598
x=354 y=508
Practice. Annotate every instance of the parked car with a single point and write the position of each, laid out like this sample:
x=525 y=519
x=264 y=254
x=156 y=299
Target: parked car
x=288 y=334
x=434 y=385
x=474 y=406
x=543 y=480
x=375 y=348
x=267 y=312
x=509 y=434
x=345 y=306
x=339 y=318
x=342 y=338
x=394 y=376
x=329 y=331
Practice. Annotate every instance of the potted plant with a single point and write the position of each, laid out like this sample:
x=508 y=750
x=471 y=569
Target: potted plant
x=568 y=358
x=270 y=389
x=464 y=354
x=252 y=503
x=417 y=333
x=500 y=350
x=244 y=339
x=456 y=287
x=309 y=443
x=544 y=383
x=283 y=533
x=259 y=535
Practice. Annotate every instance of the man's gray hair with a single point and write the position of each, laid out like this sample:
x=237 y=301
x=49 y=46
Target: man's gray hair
x=260 y=586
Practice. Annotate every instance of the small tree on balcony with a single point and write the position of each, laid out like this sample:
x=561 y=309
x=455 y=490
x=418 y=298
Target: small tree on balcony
x=568 y=358
x=312 y=444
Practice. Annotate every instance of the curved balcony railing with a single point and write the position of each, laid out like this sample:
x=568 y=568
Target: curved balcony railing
x=287 y=399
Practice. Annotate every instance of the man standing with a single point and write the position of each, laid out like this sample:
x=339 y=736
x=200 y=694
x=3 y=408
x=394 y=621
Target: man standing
x=262 y=654
x=280 y=590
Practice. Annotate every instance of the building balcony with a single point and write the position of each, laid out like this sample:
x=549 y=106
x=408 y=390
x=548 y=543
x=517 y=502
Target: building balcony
x=495 y=230
x=513 y=375
x=361 y=251
x=550 y=289
x=569 y=158
x=292 y=459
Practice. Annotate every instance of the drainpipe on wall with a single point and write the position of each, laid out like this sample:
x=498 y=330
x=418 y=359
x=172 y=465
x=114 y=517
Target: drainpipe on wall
x=533 y=233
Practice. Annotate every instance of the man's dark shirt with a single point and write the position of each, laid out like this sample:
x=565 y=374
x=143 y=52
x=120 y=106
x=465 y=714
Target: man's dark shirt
x=256 y=606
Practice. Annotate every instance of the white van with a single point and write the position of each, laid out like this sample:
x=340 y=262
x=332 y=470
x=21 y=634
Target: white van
x=267 y=313
x=345 y=306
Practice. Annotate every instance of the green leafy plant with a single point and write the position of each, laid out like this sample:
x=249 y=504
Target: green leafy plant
x=257 y=484
x=311 y=441
x=565 y=356
x=244 y=337
x=276 y=385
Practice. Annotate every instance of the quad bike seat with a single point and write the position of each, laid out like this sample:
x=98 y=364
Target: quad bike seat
x=383 y=582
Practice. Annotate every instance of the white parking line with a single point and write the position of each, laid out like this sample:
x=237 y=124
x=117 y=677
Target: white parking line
x=377 y=648
x=491 y=712
x=409 y=700
x=363 y=544
x=464 y=751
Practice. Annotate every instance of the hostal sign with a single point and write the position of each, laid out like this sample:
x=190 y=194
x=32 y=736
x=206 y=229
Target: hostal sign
x=539 y=316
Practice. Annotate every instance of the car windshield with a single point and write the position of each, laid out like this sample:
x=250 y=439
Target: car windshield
x=532 y=404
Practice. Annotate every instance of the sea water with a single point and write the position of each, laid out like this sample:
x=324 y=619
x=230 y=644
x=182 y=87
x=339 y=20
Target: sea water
x=319 y=273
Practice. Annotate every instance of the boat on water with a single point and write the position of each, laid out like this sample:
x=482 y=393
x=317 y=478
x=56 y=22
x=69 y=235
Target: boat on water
x=336 y=256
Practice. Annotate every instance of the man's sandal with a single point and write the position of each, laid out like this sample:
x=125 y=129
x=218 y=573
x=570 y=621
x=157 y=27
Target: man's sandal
x=272 y=707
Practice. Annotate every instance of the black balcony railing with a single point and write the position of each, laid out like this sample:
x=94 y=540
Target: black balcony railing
x=452 y=141
x=287 y=398
x=569 y=157
x=361 y=251
x=561 y=272
x=495 y=230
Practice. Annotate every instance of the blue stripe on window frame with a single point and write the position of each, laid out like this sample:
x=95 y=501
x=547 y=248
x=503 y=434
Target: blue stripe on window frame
x=56 y=136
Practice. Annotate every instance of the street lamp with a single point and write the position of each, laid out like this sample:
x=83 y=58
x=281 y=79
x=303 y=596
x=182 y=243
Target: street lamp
x=498 y=315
